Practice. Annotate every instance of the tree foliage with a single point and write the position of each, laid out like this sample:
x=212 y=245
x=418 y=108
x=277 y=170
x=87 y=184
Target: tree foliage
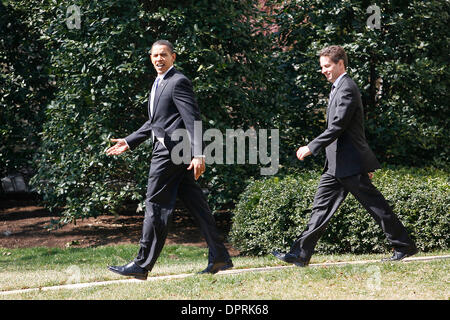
x=25 y=87
x=104 y=75
x=66 y=91
x=400 y=68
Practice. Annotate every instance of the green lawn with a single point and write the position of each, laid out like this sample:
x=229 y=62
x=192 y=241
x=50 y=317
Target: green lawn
x=41 y=267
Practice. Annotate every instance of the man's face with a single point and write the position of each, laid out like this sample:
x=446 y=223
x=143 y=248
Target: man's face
x=162 y=58
x=331 y=70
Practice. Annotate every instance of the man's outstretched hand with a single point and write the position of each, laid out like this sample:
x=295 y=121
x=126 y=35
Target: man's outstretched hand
x=120 y=147
x=303 y=152
x=198 y=164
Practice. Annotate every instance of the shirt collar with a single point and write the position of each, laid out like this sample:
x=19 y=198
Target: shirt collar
x=335 y=83
x=164 y=74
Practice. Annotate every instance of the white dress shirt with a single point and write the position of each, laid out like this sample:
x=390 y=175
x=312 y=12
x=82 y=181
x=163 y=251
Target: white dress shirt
x=336 y=82
x=158 y=80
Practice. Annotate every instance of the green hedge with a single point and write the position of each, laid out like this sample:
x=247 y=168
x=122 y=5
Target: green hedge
x=273 y=212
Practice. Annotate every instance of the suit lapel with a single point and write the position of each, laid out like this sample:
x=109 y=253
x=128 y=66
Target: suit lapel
x=334 y=95
x=159 y=91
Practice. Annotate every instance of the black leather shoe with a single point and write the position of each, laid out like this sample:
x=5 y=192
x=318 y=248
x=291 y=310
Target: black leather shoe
x=131 y=270
x=216 y=267
x=291 y=258
x=397 y=256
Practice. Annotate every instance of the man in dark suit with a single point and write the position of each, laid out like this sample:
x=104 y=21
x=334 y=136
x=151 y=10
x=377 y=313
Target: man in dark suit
x=348 y=167
x=172 y=106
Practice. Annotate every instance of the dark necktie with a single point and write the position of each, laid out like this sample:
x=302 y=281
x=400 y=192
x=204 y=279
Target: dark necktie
x=332 y=90
x=153 y=93
x=329 y=101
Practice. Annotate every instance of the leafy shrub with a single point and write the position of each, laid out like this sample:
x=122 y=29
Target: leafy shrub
x=25 y=87
x=273 y=212
x=401 y=70
x=103 y=75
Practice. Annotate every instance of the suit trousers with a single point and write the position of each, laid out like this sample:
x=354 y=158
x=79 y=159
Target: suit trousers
x=167 y=181
x=329 y=196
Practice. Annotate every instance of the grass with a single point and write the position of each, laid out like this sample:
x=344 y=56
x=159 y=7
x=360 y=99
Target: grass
x=40 y=267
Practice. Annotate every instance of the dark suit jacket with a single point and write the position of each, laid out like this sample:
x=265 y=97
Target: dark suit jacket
x=175 y=107
x=344 y=140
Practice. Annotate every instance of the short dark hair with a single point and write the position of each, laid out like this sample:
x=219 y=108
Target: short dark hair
x=335 y=53
x=166 y=43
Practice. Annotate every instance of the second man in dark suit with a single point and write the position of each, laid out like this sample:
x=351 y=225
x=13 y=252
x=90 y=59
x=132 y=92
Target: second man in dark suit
x=348 y=167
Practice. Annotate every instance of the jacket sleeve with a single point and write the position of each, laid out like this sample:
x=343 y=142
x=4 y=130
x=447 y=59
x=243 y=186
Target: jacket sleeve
x=184 y=99
x=139 y=136
x=345 y=109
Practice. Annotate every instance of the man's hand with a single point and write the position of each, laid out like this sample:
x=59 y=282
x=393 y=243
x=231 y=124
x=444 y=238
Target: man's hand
x=198 y=164
x=120 y=147
x=303 y=152
x=370 y=174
